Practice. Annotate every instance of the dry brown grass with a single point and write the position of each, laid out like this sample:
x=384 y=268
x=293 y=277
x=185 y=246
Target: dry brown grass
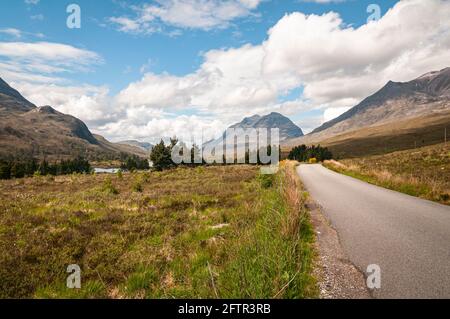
x=423 y=172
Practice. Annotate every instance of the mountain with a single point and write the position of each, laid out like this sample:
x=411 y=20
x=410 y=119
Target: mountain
x=396 y=101
x=142 y=145
x=30 y=131
x=288 y=130
x=273 y=120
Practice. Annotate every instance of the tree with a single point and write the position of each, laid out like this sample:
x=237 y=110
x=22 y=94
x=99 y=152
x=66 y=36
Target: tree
x=161 y=155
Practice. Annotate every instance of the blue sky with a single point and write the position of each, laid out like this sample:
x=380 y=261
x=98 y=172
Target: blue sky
x=125 y=46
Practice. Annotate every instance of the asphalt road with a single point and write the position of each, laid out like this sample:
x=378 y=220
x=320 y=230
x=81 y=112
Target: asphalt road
x=409 y=238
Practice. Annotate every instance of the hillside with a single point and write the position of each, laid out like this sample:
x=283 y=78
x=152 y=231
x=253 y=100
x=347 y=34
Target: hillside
x=399 y=116
x=30 y=131
x=428 y=93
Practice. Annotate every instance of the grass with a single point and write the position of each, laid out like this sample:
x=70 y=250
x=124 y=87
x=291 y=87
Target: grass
x=207 y=232
x=423 y=172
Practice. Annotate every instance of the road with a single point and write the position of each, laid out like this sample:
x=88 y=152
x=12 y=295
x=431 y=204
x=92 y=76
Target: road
x=409 y=238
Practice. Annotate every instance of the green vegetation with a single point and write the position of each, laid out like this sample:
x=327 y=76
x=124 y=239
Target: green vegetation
x=205 y=232
x=305 y=153
x=24 y=168
x=423 y=172
x=161 y=155
x=134 y=162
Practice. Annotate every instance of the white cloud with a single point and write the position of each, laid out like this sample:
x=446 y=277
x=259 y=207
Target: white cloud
x=49 y=51
x=35 y=70
x=40 y=61
x=16 y=33
x=33 y=2
x=91 y=104
x=333 y=112
x=336 y=64
x=192 y=14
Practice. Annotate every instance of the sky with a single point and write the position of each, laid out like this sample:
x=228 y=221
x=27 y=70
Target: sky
x=147 y=69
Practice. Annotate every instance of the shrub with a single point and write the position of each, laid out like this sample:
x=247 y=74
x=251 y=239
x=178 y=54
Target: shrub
x=313 y=160
x=108 y=187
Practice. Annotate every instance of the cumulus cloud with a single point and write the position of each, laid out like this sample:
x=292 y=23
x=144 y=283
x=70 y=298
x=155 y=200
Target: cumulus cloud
x=36 y=70
x=40 y=61
x=91 y=104
x=337 y=65
x=192 y=14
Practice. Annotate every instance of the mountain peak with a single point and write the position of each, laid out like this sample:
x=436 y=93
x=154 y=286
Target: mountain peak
x=396 y=100
x=273 y=120
x=11 y=98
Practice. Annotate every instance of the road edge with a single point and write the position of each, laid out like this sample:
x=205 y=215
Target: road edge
x=337 y=277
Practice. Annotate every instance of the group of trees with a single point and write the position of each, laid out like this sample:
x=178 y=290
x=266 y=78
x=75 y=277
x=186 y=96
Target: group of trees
x=161 y=156
x=23 y=168
x=304 y=153
x=134 y=162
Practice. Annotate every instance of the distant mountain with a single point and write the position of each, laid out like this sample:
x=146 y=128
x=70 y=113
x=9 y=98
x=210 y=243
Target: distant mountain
x=273 y=120
x=143 y=145
x=428 y=94
x=287 y=129
x=30 y=131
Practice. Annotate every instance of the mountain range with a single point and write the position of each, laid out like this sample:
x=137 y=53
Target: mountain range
x=399 y=115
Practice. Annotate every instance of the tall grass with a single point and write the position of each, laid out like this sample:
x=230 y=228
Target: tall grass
x=273 y=258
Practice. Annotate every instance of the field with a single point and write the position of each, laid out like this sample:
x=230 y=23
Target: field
x=422 y=172
x=207 y=232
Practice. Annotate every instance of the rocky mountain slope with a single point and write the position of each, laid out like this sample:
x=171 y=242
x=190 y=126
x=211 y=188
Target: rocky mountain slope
x=424 y=96
x=30 y=131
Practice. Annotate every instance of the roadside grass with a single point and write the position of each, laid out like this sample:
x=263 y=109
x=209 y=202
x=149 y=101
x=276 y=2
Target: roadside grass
x=205 y=232
x=423 y=172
